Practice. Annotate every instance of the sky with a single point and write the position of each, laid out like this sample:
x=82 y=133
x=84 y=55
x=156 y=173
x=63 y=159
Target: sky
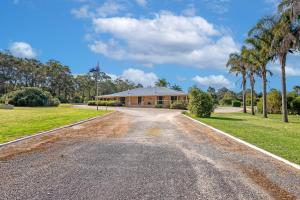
x=185 y=41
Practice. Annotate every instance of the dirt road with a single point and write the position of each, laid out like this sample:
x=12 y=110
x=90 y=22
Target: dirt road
x=142 y=154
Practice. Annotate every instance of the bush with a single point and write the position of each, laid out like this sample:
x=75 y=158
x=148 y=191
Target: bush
x=227 y=99
x=104 y=103
x=291 y=96
x=259 y=105
x=31 y=97
x=295 y=106
x=226 y=102
x=273 y=103
x=200 y=103
x=158 y=106
x=236 y=103
x=77 y=99
x=178 y=105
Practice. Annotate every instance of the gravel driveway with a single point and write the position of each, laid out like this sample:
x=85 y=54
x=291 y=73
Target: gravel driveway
x=142 y=154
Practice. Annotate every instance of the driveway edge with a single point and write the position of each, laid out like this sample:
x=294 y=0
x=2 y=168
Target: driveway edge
x=247 y=144
x=55 y=129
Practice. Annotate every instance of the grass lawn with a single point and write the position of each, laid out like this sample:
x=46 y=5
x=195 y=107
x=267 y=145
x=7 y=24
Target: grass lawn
x=21 y=121
x=282 y=139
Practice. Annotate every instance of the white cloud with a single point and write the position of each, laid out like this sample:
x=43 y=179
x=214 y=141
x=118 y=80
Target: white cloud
x=218 y=6
x=108 y=8
x=190 y=10
x=164 y=39
x=138 y=76
x=113 y=76
x=82 y=12
x=216 y=81
x=142 y=3
x=22 y=50
x=289 y=70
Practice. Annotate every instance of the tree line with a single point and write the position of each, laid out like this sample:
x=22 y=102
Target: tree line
x=56 y=78
x=271 y=39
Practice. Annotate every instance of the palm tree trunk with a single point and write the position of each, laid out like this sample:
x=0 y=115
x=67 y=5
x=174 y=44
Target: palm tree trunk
x=244 y=94
x=252 y=93
x=283 y=85
x=264 y=88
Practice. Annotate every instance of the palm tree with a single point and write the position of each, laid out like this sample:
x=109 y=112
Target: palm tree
x=176 y=87
x=292 y=7
x=236 y=66
x=162 y=83
x=260 y=40
x=249 y=61
x=296 y=88
x=285 y=40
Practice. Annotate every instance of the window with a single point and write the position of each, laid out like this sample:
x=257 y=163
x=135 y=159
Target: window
x=173 y=99
x=122 y=100
x=160 y=100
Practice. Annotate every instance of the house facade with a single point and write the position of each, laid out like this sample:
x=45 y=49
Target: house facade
x=147 y=97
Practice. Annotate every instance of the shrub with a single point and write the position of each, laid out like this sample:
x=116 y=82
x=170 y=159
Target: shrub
x=104 y=103
x=158 y=106
x=273 y=102
x=259 y=105
x=291 y=96
x=178 y=105
x=200 y=103
x=31 y=97
x=227 y=99
x=236 y=103
x=295 y=105
x=77 y=99
x=226 y=102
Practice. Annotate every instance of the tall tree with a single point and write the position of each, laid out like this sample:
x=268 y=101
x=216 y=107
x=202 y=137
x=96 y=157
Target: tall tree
x=162 y=83
x=252 y=68
x=285 y=41
x=176 y=87
x=260 y=40
x=236 y=65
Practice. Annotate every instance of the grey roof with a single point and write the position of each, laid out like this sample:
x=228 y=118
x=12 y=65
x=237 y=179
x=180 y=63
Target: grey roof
x=151 y=91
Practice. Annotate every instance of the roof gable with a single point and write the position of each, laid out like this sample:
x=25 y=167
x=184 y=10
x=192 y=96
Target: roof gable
x=151 y=91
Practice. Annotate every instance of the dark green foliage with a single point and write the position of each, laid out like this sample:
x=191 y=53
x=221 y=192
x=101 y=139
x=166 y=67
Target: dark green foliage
x=179 y=105
x=158 y=106
x=236 y=103
x=200 y=103
x=213 y=94
x=290 y=98
x=31 y=97
x=56 y=78
x=295 y=105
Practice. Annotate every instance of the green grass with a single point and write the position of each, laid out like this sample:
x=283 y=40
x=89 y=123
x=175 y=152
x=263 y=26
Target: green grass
x=21 y=122
x=282 y=139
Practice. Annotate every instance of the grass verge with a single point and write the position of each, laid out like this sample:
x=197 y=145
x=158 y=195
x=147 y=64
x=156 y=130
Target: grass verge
x=282 y=139
x=21 y=122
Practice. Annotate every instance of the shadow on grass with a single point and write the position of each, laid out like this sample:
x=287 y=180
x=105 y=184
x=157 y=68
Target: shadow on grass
x=226 y=118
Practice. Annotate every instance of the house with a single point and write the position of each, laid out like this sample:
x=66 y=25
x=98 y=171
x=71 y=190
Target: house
x=147 y=97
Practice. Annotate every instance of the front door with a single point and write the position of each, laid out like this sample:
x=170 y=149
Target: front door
x=140 y=99
x=122 y=100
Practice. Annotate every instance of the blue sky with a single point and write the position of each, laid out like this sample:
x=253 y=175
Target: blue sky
x=185 y=41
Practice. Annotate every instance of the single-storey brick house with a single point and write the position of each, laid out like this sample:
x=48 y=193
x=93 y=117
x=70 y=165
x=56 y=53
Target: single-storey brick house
x=147 y=97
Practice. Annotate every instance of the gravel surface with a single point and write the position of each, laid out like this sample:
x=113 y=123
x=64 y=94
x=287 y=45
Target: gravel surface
x=144 y=154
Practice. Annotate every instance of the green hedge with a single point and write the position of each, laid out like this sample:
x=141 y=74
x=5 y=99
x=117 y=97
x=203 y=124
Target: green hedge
x=104 y=103
x=236 y=103
x=31 y=97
